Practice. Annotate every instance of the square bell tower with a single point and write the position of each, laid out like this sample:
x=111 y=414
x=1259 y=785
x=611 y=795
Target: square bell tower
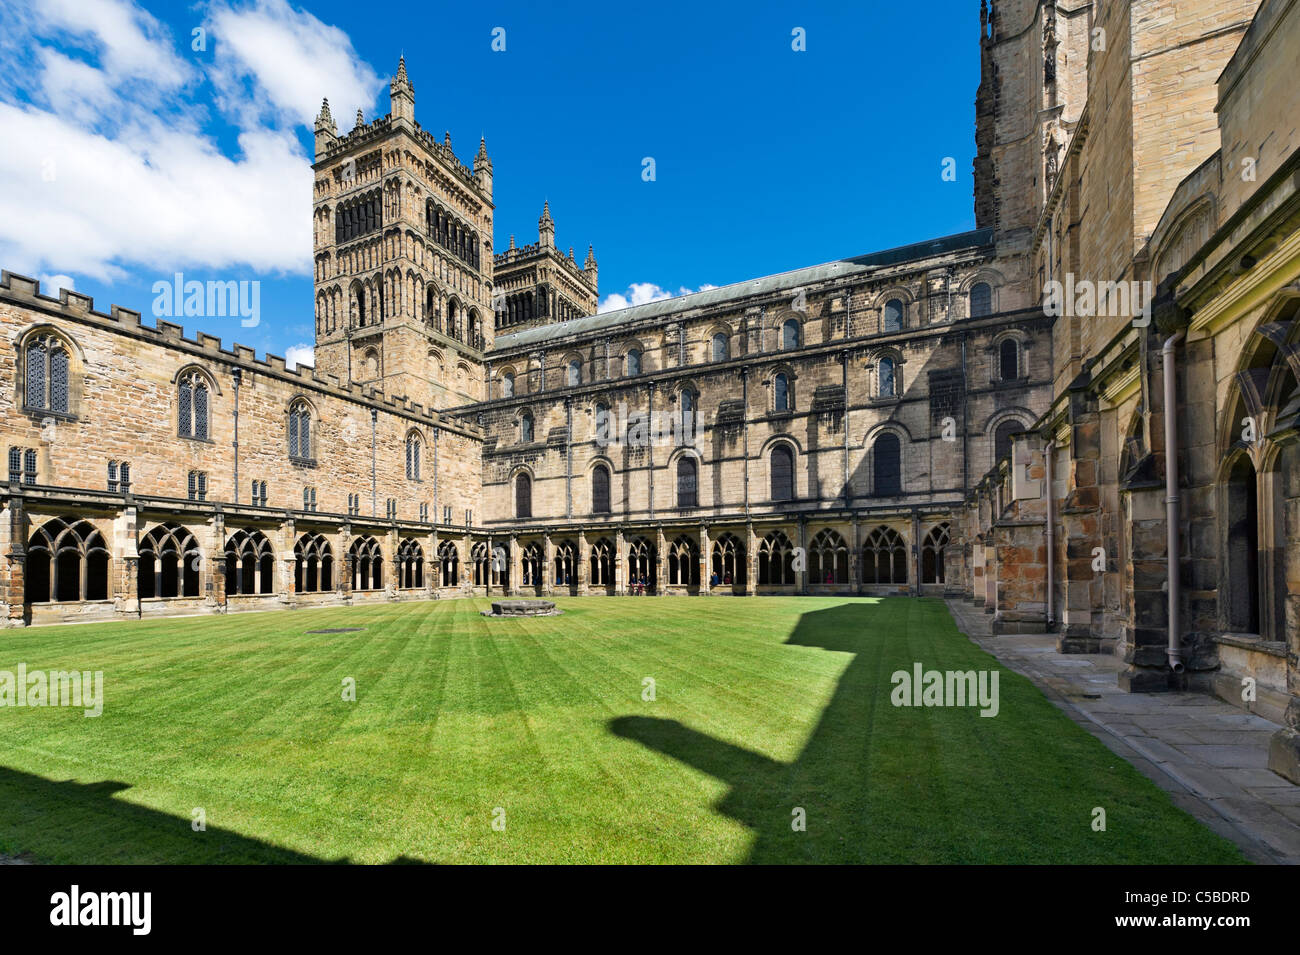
x=402 y=241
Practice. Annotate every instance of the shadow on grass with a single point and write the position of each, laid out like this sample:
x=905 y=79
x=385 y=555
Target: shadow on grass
x=83 y=823
x=828 y=779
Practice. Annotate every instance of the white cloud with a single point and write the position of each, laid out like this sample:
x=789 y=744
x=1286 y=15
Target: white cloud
x=640 y=293
x=128 y=39
x=289 y=61
x=300 y=354
x=83 y=203
x=107 y=166
x=50 y=284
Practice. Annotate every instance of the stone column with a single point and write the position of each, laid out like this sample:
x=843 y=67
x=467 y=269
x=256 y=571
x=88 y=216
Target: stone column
x=914 y=548
x=1148 y=599
x=432 y=564
x=954 y=563
x=583 y=559
x=991 y=572
x=127 y=599
x=801 y=578
x=346 y=582
x=751 y=564
x=620 y=565
x=13 y=544
x=466 y=562
x=392 y=580
x=855 y=556
x=214 y=573
x=661 y=545
x=1080 y=526
x=548 y=568
x=515 y=585
x=705 y=569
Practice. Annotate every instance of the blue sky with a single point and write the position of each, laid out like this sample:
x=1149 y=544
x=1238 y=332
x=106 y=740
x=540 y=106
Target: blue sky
x=136 y=155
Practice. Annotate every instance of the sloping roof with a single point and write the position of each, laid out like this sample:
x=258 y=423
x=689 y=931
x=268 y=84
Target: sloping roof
x=766 y=285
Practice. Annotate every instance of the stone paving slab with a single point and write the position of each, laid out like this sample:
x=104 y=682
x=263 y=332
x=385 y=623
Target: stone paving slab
x=1210 y=757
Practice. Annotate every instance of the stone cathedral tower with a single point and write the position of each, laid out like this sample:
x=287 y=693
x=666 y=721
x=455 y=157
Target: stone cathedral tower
x=402 y=235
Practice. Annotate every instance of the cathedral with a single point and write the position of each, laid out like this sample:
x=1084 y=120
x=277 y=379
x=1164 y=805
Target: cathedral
x=1076 y=416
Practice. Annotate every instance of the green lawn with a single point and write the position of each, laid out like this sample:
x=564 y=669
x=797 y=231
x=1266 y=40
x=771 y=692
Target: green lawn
x=763 y=705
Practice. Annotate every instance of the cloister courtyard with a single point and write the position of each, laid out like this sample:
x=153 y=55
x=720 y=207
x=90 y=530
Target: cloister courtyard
x=654 y=729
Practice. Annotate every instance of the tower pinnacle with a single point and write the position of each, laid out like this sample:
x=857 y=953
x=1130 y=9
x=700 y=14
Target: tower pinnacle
x=401 y=94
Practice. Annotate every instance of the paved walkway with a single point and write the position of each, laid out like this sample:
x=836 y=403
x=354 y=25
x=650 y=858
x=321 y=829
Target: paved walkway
x=1211 y=757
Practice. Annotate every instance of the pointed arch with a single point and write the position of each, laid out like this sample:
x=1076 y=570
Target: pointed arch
x=313 y=565
x=601 y=573
x=776 y=560
x=684 y=563
x=933 y=549
x=642 y=565
x=67 y=560
x=828 y=559
x=449 y=564
x=884 y=557
x=250 y=564
x=170 y=563
x=367 y=560
x=727 y=563
x=410 y=564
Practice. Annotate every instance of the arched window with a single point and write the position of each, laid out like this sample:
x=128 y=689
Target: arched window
x=449 y=563
x=932 y=554
x=523 y=496
x=780 y=393
x=684 y=562
x=893 y=316
x=633 y=363
x=361 y=306
x=410 y=564
x=602 y=564
x=250 y=564
x=565 y=564
x=313 y=570
x=192 y=413
x=719 y=348
x=575 y=373
x=776 y=560
x=688 y=479
x=641 y=563
x=480 y=560
x=47 y=375
x=300 y=431
x=1002 y=438
x=1009 y=360
x=728 y=562
x=507 y=385
x=981 y=300
x=600 y=489
x=453 y=319
x=884 y=558
x=828 y=559
x=687 y=422
x=888 y=454
x=782 y=467
x=1241 y=558
x=413 y=449
x=790 y=334
x=367 y=563
x=526 y=427
x=169 y=563
x=604 y=425
x=887 y=378
x=66 y=560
